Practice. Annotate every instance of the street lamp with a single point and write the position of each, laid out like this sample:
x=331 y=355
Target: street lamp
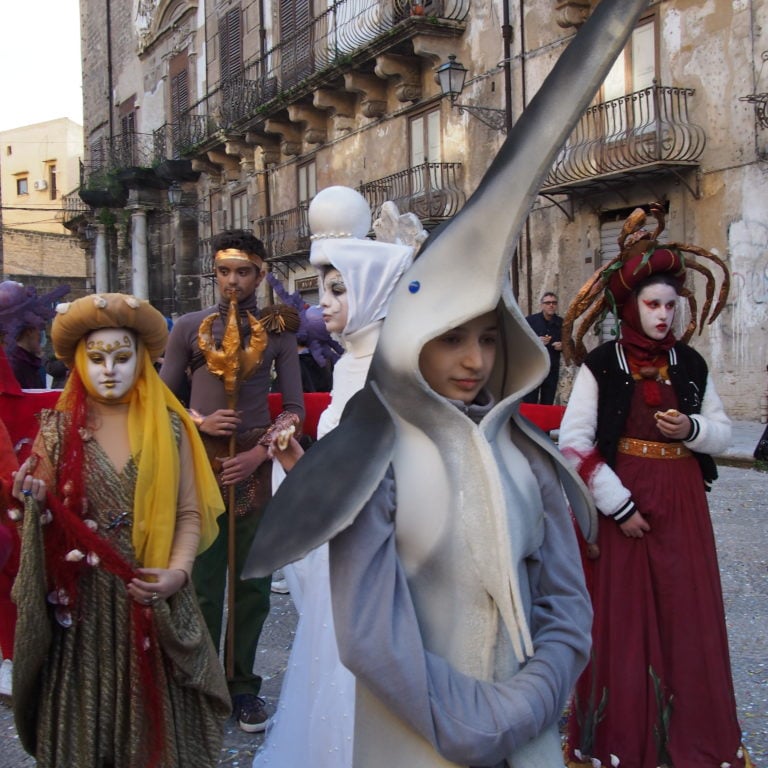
x=175 y=194
x=451 y=75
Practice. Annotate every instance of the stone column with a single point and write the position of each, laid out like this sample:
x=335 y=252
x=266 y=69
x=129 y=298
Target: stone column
x=100 y=260
x=139 y=262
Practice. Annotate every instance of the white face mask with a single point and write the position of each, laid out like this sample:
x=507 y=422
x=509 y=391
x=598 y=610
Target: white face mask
x=334 y=302
x=111 y=361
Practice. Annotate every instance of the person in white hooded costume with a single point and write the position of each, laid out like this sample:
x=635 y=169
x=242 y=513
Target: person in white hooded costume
x=315 y=715
x=458 y=596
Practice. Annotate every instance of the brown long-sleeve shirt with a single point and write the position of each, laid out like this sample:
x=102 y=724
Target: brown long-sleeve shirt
x=207 y=391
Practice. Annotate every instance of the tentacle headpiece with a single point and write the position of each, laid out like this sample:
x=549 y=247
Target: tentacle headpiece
x=640 y=256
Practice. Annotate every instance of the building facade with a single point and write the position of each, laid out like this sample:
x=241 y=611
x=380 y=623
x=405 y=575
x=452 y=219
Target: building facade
x=40 y=176
x=203 y=115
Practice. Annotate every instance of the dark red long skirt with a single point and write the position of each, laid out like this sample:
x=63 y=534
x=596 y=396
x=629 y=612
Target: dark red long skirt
x=658 y=690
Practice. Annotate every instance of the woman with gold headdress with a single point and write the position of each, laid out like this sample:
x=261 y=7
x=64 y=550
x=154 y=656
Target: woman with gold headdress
x=642 y=423
x=114 y=666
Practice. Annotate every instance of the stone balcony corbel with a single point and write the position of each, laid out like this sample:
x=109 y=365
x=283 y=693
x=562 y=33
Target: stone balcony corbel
x=372 y=89
x=407 y=72
x=230 y=167
x=572 y=13
x=270 y=146
x=339 y=105
x=315 y=131
x=290 y=136
x=434 y=48
x=204 y=165
x=240 y=149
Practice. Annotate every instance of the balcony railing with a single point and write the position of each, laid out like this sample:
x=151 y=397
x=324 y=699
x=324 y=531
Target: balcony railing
x=286 y=233
x=431 y=191
x=126 y=150
x=643 y=129
x=72 y=207
x=171 y=139
x=329 y=40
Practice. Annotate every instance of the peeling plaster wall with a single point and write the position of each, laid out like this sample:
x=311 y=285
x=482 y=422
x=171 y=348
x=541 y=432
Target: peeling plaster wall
x=714 y=47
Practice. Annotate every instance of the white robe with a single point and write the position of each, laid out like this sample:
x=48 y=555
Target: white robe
x=314 y=722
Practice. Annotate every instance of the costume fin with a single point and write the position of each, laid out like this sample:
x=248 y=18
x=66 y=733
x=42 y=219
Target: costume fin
x=327 y=488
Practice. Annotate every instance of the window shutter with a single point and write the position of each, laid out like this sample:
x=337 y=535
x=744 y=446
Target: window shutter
x=179 y=95
x=231 y=44
x=296 y=40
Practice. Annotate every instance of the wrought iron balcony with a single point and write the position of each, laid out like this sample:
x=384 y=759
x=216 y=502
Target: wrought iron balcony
x=171 y=140
x=349 y=31
x=73 y=211
x=648 y=131
x=286 y=234
x=124 y=151
x=431 y=191
x=72 y=208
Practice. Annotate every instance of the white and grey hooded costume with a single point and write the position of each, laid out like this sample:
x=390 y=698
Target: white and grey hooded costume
x=317 y=688
x=458 y=596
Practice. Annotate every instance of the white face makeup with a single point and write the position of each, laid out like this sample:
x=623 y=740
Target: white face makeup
x=334 y=302
x=112 y=361
x=656 y=306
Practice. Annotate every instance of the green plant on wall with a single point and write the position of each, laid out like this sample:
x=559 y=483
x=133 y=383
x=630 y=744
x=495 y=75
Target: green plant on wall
x=106 y=181
x=106 y=217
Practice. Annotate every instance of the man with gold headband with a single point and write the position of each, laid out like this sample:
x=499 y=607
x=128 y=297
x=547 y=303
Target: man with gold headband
x=195 y=362
x=112 y=662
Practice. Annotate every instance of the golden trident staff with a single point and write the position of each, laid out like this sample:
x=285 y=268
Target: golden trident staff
x=233 y=364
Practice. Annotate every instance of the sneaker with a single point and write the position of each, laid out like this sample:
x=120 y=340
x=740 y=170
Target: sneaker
x=6 y=675
x=250 y=713
x=280 y=587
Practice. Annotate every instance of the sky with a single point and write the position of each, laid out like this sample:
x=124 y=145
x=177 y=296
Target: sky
x=40 y=62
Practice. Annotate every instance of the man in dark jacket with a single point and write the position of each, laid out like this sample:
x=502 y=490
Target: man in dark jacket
x=548 y=326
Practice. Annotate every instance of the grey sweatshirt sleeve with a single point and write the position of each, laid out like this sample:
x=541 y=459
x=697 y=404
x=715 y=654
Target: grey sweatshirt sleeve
x=176 y=357
x=468 y=721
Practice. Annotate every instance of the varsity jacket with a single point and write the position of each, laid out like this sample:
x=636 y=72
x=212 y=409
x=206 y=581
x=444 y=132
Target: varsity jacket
x=598 y=408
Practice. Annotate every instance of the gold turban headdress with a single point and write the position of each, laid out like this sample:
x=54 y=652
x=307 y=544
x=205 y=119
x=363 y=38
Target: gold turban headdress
x=107 y=310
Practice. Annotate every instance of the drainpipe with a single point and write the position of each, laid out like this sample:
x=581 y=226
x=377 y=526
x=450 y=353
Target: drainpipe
x=267 y=214
x=262 y=34
x=506 y=33
x=527 y=230
x=110 y=97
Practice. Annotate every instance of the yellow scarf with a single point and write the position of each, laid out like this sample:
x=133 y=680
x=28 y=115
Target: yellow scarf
x=155 y=452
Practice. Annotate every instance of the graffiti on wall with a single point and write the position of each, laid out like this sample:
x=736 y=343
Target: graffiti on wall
x=737 y=339
x=748 y=249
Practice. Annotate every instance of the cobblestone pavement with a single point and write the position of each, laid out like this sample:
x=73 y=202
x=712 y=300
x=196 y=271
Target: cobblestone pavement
x=739 y=513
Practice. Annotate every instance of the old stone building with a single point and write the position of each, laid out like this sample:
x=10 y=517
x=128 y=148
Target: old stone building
x=208 y=114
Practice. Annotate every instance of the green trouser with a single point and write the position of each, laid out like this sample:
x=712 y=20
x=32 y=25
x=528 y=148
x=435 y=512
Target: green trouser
x=251 y=598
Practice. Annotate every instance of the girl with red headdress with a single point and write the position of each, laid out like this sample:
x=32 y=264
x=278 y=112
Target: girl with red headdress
x=642 y=423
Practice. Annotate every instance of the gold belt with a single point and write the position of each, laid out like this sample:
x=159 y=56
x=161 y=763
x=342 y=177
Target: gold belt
x=651 y=450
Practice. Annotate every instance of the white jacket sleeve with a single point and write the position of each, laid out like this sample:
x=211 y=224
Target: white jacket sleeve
x=577 y=442
x=711 y=428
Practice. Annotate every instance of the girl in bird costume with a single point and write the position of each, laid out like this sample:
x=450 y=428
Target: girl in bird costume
x=459 y=602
